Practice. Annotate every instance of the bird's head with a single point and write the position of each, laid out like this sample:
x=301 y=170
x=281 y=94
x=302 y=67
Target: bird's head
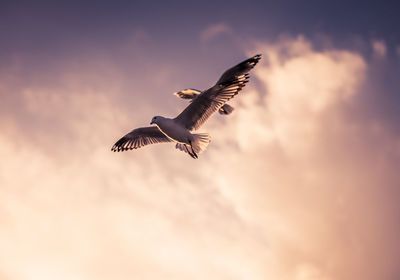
x=155 y=120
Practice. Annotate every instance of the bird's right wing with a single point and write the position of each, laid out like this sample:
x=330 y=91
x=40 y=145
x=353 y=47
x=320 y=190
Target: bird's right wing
x=188 y=93
x=140 y=137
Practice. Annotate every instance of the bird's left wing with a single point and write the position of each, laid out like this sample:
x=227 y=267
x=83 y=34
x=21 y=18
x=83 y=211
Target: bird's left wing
x=140 y=137
x=211 y=100
x=208 y=102
x=239 y=69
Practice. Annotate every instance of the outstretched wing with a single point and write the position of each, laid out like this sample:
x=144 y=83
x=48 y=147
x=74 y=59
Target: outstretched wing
x=211 y=100
x=140 y=137
x=240 y=69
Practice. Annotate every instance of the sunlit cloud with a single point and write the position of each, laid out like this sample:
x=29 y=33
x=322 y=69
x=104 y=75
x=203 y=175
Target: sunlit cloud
x=293 y=186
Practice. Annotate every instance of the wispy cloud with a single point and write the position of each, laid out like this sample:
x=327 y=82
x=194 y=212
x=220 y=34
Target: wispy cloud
x=398 y=51
x=379 y=48
x=214 y=31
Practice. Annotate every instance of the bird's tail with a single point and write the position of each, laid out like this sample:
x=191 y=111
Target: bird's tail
x=200 y=142
x=198 y=145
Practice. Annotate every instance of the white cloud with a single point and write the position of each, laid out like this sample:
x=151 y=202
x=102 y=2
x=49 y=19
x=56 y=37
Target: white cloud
x=303 y=84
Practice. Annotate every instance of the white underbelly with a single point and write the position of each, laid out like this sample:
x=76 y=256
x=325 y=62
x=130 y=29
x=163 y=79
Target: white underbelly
x=175 y=133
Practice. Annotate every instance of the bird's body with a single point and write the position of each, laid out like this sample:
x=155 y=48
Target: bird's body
x=193 y=144
x=174 y=131
x=201 y=107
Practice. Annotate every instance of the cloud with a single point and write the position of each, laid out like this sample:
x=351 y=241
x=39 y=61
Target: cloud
x=379 y=48
x=293 y=186
x=301 y=176
x=214 y=31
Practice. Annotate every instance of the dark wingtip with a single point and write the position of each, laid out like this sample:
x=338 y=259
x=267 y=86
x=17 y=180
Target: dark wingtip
x=254 y=60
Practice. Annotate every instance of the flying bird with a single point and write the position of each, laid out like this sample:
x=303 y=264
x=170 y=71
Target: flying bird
x=202 y=106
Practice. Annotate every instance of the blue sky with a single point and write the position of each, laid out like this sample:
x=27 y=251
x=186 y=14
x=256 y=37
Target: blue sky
x=44 y=33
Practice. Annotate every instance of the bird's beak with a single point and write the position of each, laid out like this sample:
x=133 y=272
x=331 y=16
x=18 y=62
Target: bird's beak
x=151 y=122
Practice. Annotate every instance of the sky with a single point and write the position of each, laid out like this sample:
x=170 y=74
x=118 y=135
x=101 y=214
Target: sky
x=300 y=182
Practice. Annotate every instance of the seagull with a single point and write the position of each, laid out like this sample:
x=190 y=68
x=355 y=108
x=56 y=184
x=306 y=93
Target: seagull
x=203 y=104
